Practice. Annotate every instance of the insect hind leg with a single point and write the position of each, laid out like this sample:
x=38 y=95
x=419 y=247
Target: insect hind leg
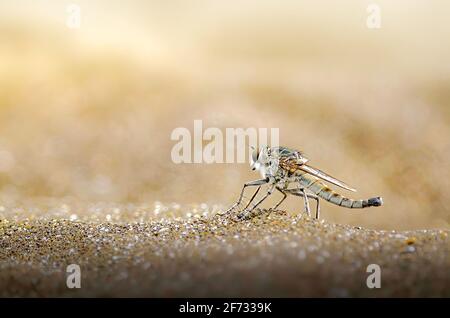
x=316 y=198
x=302 y=193
x=306 y=201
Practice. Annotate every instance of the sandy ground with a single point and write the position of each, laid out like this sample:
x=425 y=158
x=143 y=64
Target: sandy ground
x=85 y=118
x=165 y=251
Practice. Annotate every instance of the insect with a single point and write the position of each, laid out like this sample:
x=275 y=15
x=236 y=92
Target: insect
x=287 y=171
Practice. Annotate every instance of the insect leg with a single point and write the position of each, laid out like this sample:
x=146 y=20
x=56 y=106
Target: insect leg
x=316 y=198
x=247 y=184
x=245 y=214
x=252 y=198
x=269 y=192
x=282 y=199
x=297 y=192
x=317 y=207
x=305 y=197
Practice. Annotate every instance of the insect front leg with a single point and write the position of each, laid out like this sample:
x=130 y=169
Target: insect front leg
x=281 y=201
x=241 y=196
x=245 y=214
x=252 y=198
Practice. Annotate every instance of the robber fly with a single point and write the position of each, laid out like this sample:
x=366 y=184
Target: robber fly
x=288 y=172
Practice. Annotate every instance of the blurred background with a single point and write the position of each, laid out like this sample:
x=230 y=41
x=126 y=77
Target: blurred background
x=86 y=113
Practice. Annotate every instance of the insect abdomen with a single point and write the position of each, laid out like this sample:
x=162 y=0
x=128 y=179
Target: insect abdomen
x=323 y=191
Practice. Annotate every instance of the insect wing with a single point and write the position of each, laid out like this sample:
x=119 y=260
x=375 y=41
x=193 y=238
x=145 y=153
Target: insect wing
x=322 y=175
x=293 y=157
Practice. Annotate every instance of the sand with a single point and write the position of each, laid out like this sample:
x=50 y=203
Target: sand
x=171 y=250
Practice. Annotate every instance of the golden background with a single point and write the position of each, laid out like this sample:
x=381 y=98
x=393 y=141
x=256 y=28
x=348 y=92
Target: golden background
x=86 y=114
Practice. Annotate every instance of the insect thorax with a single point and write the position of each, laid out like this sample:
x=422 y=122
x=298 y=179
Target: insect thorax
x=273 y=171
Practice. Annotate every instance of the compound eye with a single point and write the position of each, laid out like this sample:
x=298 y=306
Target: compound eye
x=255 y=155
